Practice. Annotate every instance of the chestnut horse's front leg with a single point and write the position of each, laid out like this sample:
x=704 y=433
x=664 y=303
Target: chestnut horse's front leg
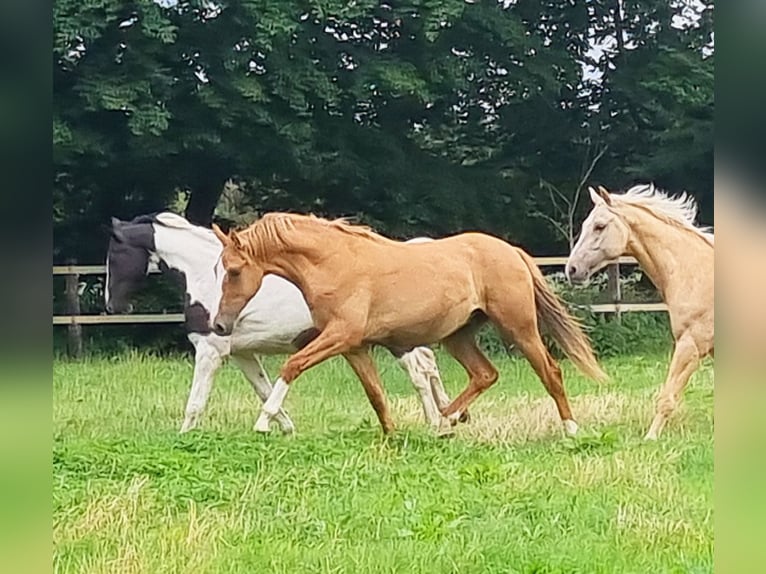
x=333 y=340
x=364 y=367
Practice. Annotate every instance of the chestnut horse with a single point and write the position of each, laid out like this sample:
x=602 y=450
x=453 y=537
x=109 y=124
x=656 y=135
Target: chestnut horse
x=678 y=257
x=364 y=289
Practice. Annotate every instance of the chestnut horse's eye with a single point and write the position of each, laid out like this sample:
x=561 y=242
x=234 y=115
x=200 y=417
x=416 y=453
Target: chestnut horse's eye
x=234 y=272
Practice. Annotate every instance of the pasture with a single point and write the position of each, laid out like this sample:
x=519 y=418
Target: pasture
x=508 y=493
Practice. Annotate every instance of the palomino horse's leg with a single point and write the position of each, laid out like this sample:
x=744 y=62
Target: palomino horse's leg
x=685 y=361
x=482 y=374
x=330 y=342
x=256 y=374
x=420 y=365
x=207 y=360
x=363 y=366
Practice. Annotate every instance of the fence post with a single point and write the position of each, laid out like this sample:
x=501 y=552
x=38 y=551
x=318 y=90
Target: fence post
x=613 y=287
x=74 y=330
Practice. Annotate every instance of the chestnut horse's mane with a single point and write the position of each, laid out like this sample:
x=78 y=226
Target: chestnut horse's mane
x=273 y=228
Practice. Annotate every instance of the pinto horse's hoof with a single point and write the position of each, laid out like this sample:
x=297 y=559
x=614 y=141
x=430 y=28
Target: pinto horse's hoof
x=465 y=417
x=446 y=428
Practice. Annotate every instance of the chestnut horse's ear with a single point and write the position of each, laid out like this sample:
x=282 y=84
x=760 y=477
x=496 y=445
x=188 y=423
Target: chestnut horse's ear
x=234 y=237
x=222 y=237
x=604 y=195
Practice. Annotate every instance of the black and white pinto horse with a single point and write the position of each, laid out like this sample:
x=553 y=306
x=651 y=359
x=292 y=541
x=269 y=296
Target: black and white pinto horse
x=275 y=321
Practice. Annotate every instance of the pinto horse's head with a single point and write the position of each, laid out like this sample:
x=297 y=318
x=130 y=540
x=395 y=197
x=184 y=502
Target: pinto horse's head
x=128 y=260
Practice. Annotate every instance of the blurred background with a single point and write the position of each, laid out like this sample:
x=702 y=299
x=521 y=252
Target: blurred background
x=418 y=118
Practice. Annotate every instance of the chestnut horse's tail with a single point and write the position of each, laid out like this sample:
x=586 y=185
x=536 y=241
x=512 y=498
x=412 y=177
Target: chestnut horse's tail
x=563 y=327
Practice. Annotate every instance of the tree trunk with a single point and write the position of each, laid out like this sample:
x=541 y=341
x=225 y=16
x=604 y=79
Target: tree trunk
x=202 y=201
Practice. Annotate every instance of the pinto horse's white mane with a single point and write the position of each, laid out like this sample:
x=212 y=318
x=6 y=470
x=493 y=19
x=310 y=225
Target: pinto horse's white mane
x=680 y=210
x=175 y=221
x=171 y=219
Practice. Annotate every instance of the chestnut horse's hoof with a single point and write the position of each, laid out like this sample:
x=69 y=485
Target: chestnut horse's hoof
x=465 y=417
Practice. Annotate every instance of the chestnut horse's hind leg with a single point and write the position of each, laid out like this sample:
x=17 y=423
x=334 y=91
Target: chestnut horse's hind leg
x=482 y=374
x=363 y=366
x=531 y=344
x=330 y=342
x=517 y=324
x=685 y=361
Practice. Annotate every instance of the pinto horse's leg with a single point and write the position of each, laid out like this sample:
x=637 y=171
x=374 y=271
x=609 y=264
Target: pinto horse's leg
x=333 y=340
x=207 y=360
x=482 y=374
x=430 y=369
x=254 y=371
x=364 y=367
x=420 y=365
x=685 y=361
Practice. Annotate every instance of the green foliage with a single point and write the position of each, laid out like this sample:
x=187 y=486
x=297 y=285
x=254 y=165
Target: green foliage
x=421 y=118
x=610 y=336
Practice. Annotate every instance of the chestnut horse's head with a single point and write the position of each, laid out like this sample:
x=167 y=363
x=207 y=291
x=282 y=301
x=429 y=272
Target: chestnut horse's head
x=242 y=279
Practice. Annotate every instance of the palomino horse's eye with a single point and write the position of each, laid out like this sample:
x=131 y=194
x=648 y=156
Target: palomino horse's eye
x=599 y=227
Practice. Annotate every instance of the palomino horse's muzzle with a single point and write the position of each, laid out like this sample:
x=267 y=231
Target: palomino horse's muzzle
x=576 y=274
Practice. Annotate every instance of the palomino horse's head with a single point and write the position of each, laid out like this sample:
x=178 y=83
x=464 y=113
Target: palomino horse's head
x=603 y=239
x=242 y=279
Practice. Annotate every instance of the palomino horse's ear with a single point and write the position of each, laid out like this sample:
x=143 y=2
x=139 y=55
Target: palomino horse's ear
x=222 y=237
x=595 y=197
x=604 y=195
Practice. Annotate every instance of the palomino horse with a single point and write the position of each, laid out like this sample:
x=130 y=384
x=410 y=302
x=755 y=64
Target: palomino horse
x=659 y=232
x=364 y=289
x=275 y=321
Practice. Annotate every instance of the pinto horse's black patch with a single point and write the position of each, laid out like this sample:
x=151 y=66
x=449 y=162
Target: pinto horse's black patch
x=305 y=337
x=196 y=315
x=130 y=247
x=127 y=261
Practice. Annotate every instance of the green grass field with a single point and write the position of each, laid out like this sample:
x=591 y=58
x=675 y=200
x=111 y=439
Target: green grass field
x=508 y=493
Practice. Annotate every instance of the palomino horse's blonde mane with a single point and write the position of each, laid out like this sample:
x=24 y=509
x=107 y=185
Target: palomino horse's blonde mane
x=272 y=230
x=680 y=211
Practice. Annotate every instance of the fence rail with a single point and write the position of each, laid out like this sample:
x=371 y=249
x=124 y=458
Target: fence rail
x=553 y=261
x=74 y=319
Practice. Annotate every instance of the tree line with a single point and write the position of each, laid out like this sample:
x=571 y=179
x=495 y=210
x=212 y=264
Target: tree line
x=416 y=117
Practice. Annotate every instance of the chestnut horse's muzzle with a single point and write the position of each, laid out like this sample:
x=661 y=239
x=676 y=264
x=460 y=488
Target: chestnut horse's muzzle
x=223 y=326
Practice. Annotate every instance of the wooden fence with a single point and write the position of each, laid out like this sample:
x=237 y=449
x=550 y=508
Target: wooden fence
x=74 y=319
